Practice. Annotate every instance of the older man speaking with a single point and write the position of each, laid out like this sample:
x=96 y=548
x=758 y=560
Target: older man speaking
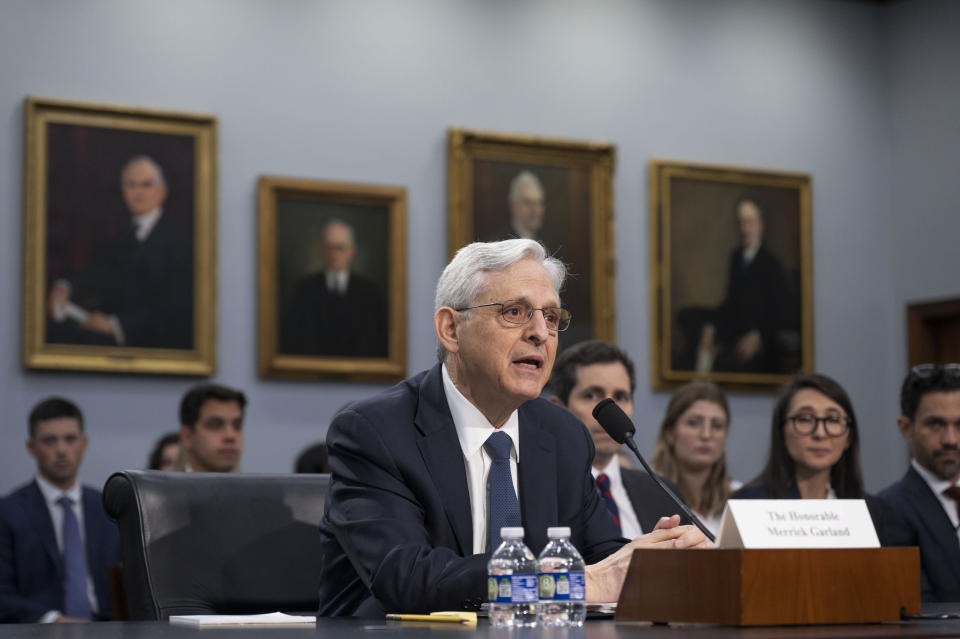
x=408 y=523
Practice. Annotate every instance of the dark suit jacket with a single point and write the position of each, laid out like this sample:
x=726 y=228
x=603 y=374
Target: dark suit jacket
x=397 y=531
x=649 y=502
x=31 y=566
x=757 y=299
x=917 y=519
x=319 y=322
x=148 y=285
x=878 y=512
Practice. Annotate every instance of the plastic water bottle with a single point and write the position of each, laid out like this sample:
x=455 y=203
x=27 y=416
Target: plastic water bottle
x=561 y=581
x=512 y=582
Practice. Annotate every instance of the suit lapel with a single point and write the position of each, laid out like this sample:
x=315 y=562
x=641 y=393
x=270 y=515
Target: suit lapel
x=39 y=517
x=933 y=518
x=440 y=449
x=537 y=477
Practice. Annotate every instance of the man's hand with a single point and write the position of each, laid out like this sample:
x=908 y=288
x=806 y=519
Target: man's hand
x=748 y=346
x=98 y=323
x=604 y=579
x=58 y=300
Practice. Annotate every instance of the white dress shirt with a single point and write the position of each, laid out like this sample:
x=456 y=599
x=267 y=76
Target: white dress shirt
x=50 y=496
x=473 y=429
x=629 y=524
x=144 y=223
x=938 y=485
x=337 y=281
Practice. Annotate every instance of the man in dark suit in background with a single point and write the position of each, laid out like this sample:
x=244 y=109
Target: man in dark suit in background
x=585 y=374
x=336 y=312
x=743 y=336
x=923 y=506
x=55 y=539
x=140 y=291
x=425 y=475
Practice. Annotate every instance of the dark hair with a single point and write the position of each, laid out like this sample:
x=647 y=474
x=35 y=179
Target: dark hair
x=153 y=462
x=916 y=385
x=564 y=376
x=194 y=399
x=53 y=408
x=313 y=459
x=780 y=472
x=716 y=489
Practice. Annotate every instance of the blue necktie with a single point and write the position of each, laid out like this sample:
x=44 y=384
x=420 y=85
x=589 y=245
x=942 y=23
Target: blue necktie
x=503 y=509
x=75 y=601
x=603 y=483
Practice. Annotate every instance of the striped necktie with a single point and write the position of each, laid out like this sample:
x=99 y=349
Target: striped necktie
x=603 y=483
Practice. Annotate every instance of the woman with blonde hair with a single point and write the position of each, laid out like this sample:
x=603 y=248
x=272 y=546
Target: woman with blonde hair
x=691 y=449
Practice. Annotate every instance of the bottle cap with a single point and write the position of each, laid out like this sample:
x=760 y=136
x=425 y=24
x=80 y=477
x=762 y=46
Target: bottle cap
x=511 y=532
x=558 y=532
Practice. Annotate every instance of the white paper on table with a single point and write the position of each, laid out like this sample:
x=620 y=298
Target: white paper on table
x=268 y=619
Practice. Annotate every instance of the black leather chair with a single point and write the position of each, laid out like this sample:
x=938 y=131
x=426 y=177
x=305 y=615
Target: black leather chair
x=212 y=543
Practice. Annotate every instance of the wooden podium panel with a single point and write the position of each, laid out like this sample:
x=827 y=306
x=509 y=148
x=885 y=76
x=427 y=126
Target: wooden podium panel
x=754 y=587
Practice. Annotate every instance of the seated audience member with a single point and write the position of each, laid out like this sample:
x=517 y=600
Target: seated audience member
x=922 y=507
x=211 y=429
x=426 y=473
x=55 y=539
x=583 y=375
x=691 y=449
x=814 y=448
x=165 y=452
x=313 y=459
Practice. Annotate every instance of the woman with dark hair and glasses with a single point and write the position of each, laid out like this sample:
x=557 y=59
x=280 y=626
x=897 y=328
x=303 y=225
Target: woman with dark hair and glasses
x=814 y=448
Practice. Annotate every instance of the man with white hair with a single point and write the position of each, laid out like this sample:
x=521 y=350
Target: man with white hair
x=140 y=289
x=425 y=474
x=527 y=207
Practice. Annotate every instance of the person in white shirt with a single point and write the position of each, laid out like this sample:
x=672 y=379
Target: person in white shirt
x=55 y=539
x=583 y=375
x=691 y=449
x=923 y=506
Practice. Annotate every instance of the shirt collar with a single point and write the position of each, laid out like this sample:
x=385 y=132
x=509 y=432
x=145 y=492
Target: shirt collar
x=936 y=484
x=146 y=222
x=750 y=252
x=51 y=493
x=611 y=470
x=473 y=429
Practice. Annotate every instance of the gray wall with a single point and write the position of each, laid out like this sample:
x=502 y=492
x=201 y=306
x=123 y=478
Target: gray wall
x=856 y=94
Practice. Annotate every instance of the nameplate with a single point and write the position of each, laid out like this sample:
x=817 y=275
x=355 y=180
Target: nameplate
x=797 y=523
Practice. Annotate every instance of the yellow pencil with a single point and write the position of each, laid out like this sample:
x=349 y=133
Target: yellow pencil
x=454 y=617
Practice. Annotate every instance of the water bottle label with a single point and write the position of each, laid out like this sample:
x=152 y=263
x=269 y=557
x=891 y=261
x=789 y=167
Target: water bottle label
x=512 y=588
x=562 y=586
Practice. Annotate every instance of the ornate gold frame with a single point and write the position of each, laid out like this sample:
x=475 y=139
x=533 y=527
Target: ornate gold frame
x=37 y=353
x=661 y=173
x=275 y=365
x=465 y=145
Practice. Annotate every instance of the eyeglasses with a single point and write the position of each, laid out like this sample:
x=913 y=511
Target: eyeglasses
x=520 y=313
x=833 y=425
x=929 y=370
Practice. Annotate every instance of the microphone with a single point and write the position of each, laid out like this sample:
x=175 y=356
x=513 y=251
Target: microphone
x=621 y=430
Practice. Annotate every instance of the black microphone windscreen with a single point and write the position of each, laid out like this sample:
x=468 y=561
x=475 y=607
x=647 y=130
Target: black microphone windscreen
x=613 y=420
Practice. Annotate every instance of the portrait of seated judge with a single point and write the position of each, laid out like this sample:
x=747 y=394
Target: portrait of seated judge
x=736 y=290
x=120 y=239
x=546 y=203
x=338 y=309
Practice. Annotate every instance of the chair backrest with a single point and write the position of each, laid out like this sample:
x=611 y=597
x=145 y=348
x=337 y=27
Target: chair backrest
x=217 y=543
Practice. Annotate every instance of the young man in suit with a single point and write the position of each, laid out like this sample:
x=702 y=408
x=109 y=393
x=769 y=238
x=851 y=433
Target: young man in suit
x=55 y=539
x=425 y=474
x=585 y=374
x=923 y=506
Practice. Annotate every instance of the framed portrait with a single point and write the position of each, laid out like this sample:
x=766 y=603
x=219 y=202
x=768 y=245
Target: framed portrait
x=332 y=280
x=119 y=239
x=731 y=275
x=559 y=192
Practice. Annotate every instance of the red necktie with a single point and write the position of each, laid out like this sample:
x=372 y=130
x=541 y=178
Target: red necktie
x=603 y=483
x=954 y=493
